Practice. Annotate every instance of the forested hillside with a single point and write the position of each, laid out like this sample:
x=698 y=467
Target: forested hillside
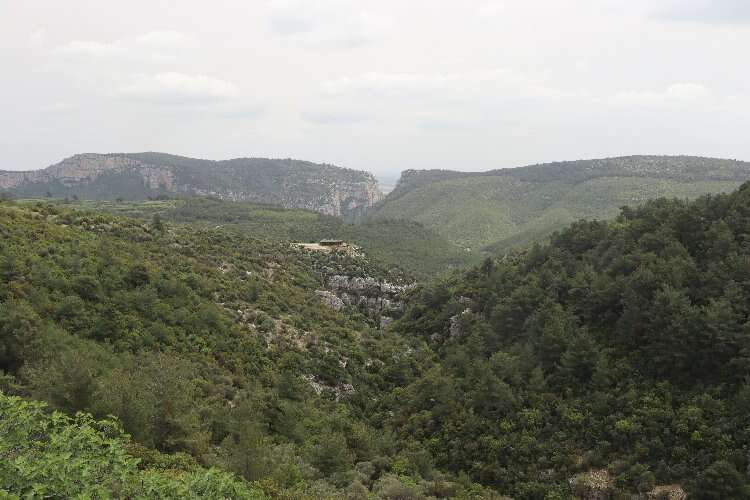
x=613 y=360
x=202 y=342
x=514 y=207
x=398 y=243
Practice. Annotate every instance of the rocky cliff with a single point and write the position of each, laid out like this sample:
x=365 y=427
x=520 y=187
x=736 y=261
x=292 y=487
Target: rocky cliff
x=379 y=298
x=290 y=183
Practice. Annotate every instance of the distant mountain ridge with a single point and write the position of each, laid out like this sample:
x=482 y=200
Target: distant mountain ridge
x=682 y=168
x=503 y=208
x=289 y=183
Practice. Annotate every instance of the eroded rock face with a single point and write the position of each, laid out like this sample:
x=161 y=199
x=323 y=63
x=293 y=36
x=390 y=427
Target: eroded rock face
x=456 y=324
x=330 y=299
x=455 y=329
x=667 y=492
x=350 y=197
x=11 y=180
x=338 y=390
x=592 y=485
x=84 y=169
x=598 y=485
x=379 y=298
x=289 y=183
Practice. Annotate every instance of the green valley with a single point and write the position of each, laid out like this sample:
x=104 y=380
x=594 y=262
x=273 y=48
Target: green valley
x=204 y=343
x=503 y=209
x=398 y=243
x=375 y=250
x=611 y=360
x=181 y=347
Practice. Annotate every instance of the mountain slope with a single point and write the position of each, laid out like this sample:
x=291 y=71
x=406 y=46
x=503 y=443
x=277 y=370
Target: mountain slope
x=210 y=346
x=289 y=183
x=510 y=207
x=611 y=362
x=399 y=243
x=614 y=360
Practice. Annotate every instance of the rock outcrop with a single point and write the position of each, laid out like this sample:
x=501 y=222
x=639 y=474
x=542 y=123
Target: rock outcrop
x=592 y=485
x=289 y=183
x=667 y=492
x=599 y=485
x=320 y=387
x=330 y=300
x=379 y=298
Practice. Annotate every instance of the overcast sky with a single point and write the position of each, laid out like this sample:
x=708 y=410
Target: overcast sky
x=380 y=85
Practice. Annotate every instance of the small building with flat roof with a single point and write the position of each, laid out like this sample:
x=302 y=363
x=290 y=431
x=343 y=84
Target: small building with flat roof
x=331 y=243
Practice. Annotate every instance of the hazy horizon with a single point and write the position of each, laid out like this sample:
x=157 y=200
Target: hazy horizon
x=378 y=86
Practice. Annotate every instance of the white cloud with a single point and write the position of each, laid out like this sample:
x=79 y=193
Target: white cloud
x=498 y=83
x=84 y=48
x=236 y=110
x=388 y=84
x=680 y=93
x=335 y=118
x=153 y=46
x=420 y=88
x=473 y=100
x=164 y=38
x=497 y=86
x=177 y=88
x=140 y=68
x=38 y=38
x=686 y=90
x=57 y=108
x=443 y=101
x=328 y=22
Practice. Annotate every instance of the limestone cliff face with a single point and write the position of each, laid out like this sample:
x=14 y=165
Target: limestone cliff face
x=84 y=169
x=11 y=180
x=348 y=197
x=380 y=298
x=290 y=183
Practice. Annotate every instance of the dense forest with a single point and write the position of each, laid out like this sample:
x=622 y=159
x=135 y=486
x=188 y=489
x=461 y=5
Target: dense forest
x=611 y=361
x=621 y=346
x=204 y=343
